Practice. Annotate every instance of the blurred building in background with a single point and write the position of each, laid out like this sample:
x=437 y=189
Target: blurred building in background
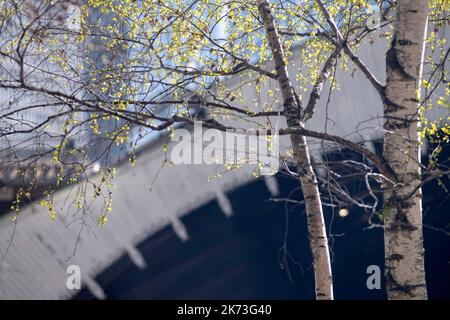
x=102 y=58
x=29 y=130
x=26 y=154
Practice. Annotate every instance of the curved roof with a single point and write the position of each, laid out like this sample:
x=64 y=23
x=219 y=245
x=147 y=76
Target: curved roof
x=41 y=249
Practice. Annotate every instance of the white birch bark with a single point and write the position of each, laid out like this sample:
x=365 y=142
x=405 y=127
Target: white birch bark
x=403 y=240
x=316 y=226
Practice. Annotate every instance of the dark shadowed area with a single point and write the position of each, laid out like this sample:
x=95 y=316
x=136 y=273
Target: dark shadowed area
x=242 y=257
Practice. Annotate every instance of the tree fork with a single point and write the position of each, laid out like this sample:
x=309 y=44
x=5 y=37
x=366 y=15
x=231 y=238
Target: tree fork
x=292 y=105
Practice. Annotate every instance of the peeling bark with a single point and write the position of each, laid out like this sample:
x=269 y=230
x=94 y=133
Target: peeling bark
x=403 y=239
x=292 y=106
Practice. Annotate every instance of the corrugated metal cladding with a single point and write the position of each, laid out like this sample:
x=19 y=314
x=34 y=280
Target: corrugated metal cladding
x=41 y=250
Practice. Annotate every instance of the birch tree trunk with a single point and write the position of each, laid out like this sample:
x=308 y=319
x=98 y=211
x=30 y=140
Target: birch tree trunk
x=403 y=239
x=292 y=106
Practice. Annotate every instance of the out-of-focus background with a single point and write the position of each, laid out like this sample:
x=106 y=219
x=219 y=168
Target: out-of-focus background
x=180 y=232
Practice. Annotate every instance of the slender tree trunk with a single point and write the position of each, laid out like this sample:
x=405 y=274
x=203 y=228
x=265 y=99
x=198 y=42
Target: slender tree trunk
x=292 y=107
x=403 y=239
